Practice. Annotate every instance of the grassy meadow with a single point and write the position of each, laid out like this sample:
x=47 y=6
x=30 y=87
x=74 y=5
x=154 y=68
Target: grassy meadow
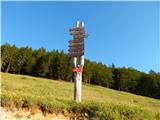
x=57 y=96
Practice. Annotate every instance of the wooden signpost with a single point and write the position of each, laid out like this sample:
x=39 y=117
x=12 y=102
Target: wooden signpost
x=76 y=50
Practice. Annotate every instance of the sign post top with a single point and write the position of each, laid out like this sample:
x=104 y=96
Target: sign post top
x=80 y=24
x=76 y=46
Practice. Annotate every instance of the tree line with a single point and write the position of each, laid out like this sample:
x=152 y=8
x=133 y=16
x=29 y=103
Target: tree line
x=57 y=65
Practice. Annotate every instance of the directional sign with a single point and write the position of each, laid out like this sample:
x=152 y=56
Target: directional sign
x=81 y=36
x=76 y=41
x=77 y=32
x=76 y=47
x=76 y=29
x=76 y=44
x=73 y=46
x=76 y=50
x=80 y=42
x=75 y=54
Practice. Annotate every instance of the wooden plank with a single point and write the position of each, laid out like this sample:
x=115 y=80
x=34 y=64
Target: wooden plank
x=76 y=45
x=80 y=36
x=76 y=40
x=80 y=42
x=76 y=51
x=76 y=48
x=76 y=29
x=76 y=54
x=77 y=32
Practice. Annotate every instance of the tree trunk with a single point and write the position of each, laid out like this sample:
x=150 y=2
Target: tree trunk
x=8 y=67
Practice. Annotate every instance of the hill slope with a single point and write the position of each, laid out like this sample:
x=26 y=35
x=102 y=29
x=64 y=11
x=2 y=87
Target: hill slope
x=57 y=96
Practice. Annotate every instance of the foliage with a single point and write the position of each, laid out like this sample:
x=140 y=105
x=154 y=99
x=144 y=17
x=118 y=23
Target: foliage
x=57 y=65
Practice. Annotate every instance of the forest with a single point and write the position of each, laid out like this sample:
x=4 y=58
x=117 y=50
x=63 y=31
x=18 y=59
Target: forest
x=57 y=65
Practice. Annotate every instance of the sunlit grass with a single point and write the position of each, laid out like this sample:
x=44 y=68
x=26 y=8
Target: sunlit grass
x=97 y=101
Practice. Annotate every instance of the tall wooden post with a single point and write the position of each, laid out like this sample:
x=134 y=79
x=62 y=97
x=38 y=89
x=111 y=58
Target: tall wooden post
x=77 y=52
x=78 y=79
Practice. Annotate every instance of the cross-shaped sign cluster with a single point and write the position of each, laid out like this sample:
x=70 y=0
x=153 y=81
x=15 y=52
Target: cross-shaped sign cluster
x=76 y=46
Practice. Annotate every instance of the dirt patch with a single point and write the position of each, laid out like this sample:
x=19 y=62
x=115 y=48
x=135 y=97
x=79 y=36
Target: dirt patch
x=34 y=114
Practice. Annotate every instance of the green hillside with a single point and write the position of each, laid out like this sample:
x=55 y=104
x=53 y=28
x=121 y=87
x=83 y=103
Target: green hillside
x=57 y=96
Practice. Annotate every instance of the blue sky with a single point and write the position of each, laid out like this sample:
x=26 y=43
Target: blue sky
x=123 y=33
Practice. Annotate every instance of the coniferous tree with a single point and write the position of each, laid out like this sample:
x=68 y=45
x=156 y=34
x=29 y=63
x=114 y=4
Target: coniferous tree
x=117 y=78
x=8 y=57
x=22 y=57
x=42 y=63
x=27 y=68
x=88 y=70
x=57 y=65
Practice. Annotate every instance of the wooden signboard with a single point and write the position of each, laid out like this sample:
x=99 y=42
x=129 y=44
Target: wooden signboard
x=76 y=47
x=80 y=36
x=76 y=50
x=77 y=32
x=76 y=44
x=76 y=41
x=76 y=29
x=74 y=54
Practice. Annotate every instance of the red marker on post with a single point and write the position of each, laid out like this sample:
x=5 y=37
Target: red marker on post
x=77 y=69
